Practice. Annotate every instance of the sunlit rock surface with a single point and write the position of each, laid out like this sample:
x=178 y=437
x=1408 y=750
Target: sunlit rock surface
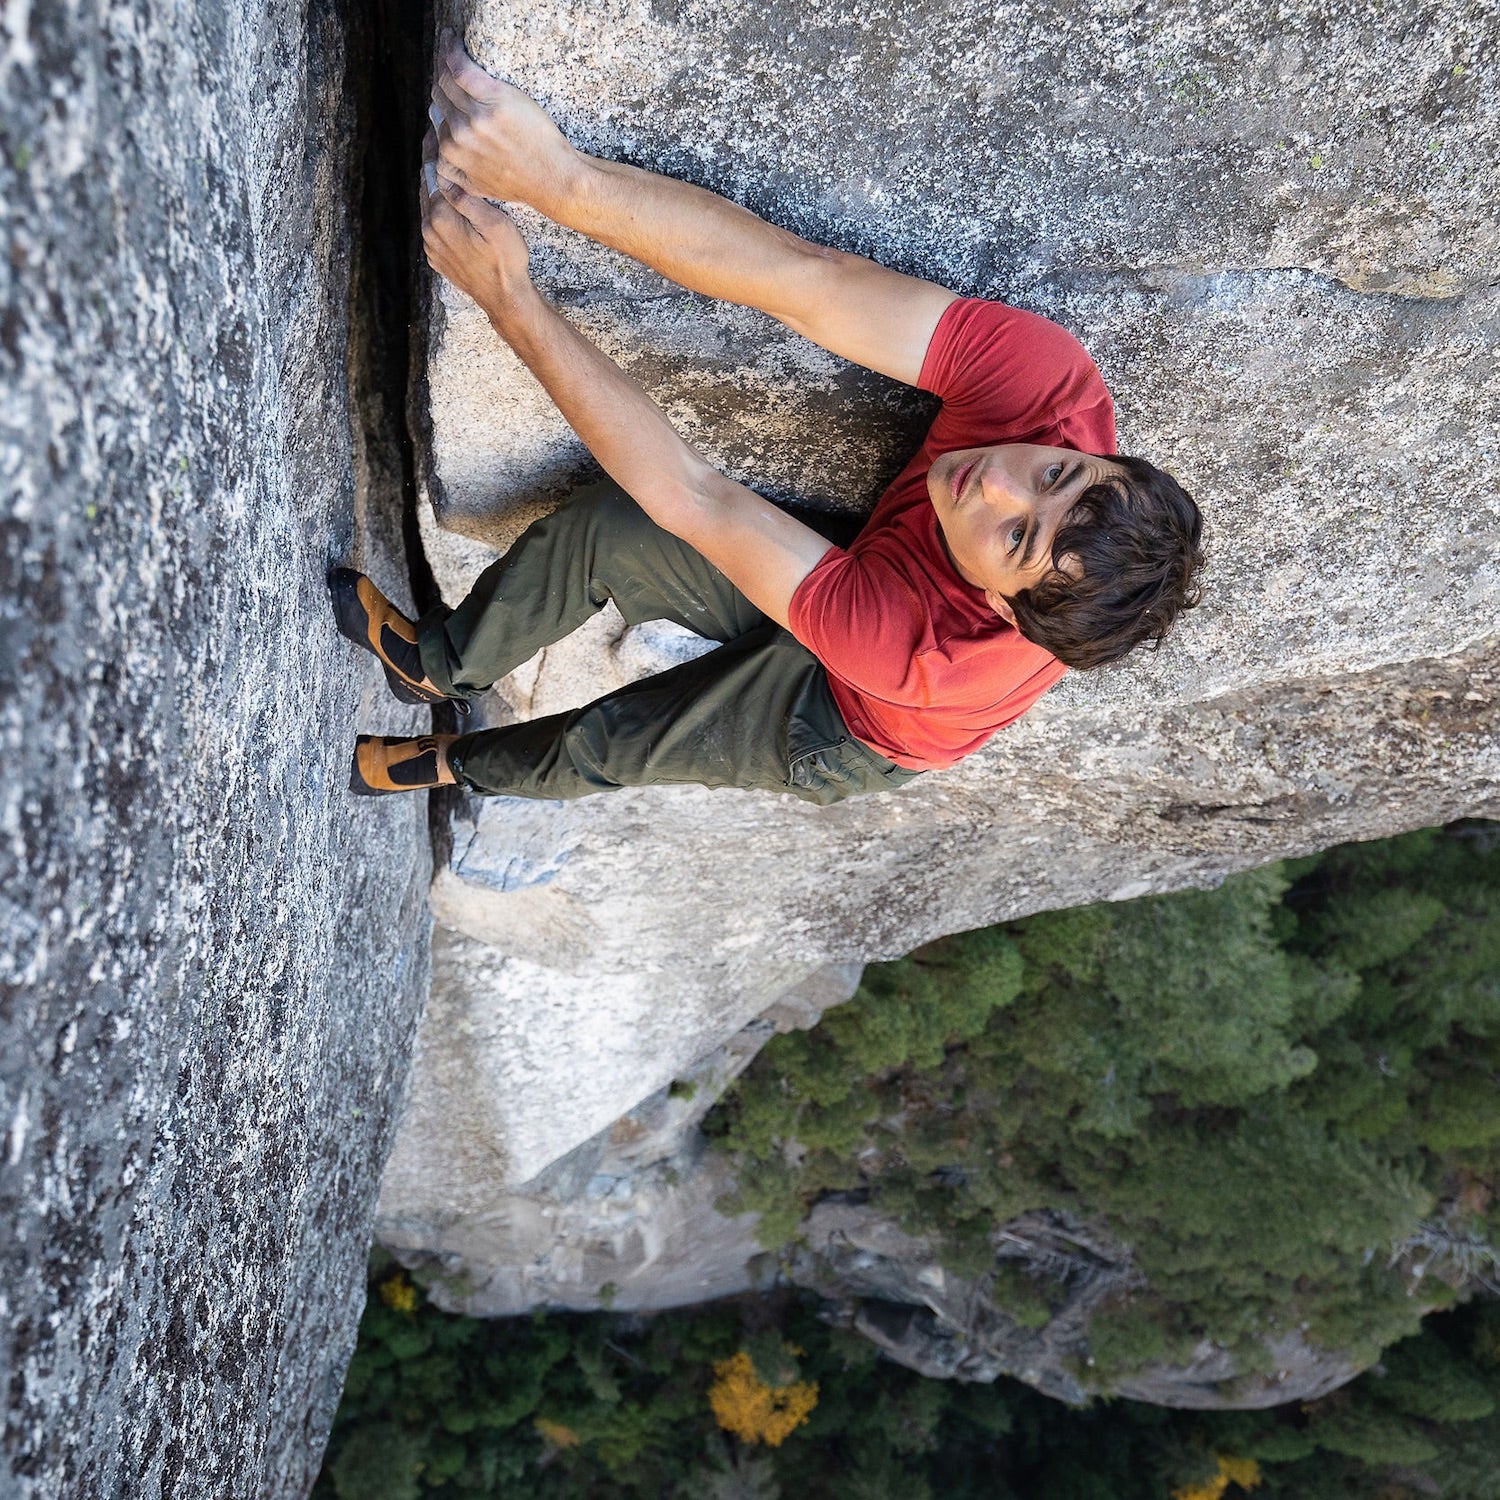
x=213 y=957
x=625 y=1218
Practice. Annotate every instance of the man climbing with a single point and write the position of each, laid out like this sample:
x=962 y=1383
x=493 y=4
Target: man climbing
x=1015 y=543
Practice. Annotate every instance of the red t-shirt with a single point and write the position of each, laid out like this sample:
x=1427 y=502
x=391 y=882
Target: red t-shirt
x=923 y=670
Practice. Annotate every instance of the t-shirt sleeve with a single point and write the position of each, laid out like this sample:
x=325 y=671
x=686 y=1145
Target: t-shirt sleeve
x=865 y=623
x=1007 y=375
x=868 y=624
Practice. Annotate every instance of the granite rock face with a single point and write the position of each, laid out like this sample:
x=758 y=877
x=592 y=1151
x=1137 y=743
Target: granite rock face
x=625 y=1219
x=213 y=957
x=896 y=1293
x=1275 y=230
x=1160 y=156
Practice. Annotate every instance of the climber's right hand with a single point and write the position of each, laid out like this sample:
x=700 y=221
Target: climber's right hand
x=494 y=141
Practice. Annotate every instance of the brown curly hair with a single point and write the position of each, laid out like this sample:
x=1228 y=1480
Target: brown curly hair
x=1136 y=544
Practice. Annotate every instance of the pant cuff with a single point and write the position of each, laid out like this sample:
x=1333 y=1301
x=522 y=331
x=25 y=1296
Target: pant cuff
x=432 y=645
x=456 y=764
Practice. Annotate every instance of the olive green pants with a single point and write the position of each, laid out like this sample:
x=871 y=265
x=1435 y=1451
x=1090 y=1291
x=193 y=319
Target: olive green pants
x=756 y=712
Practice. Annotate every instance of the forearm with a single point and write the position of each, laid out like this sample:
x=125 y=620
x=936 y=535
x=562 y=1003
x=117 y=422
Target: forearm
x=691 y=236
x=761 y=550
x=493 y=142
x=497 y=143
x=851 y=305
x=615 y=418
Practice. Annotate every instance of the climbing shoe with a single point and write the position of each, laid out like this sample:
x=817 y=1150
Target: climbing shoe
x=382 y=765
x=369 y=619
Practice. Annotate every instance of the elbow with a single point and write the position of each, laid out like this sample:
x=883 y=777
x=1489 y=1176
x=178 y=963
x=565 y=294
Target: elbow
x=808 y=277
x=684 y=502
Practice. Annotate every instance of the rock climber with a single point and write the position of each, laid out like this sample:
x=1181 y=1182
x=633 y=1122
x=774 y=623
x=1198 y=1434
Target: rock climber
x=1015 y=544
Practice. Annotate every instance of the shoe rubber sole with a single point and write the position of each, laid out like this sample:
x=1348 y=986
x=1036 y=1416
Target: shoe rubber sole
x=357 y=783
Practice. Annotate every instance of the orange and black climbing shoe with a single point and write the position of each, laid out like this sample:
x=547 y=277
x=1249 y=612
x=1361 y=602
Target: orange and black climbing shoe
x=370 y=620
x=382 y=765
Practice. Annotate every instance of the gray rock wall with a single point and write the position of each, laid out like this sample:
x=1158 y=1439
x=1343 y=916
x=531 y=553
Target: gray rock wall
x=1271 y=229
x=1275 y=229
x=213 y=958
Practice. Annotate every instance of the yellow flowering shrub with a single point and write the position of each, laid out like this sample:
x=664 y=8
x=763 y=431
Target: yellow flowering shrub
x=556 y=1433
x=753 y=1411
x=398 y=1293
x=1244 y=1472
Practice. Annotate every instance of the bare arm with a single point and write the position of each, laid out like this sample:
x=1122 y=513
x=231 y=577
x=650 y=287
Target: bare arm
x=495 y=141
x=760 y=549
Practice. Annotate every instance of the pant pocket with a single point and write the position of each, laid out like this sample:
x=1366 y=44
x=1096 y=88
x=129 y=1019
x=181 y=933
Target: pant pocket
x=825 y=763
x=879 y=770
x=847 y=768
x=824 y=770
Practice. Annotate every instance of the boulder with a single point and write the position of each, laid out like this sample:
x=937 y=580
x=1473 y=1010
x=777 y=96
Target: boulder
x=213 y=956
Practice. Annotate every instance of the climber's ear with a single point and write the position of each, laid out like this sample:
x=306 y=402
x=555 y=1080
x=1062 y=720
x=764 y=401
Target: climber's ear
x=1001 y=605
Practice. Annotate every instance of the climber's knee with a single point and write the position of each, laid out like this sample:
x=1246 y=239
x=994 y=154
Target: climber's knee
x=594 y=751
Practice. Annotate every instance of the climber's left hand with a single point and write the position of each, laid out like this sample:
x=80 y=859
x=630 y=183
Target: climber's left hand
x=495 y=140
x=472 y=243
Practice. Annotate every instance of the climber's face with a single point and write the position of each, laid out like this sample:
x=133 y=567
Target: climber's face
x=999 y=509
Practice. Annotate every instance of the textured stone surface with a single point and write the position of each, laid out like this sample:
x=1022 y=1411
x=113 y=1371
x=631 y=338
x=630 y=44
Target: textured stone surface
x=950 y=1326
x=624 y=1219
x=1275 y=229
x=1272 y=227
x=520 y=1063
x=213 y=958
x=627 y=935
x=993 y=148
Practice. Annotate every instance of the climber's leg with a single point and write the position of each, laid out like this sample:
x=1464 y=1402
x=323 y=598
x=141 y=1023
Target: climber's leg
x=560 y=571
x=756 y=713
